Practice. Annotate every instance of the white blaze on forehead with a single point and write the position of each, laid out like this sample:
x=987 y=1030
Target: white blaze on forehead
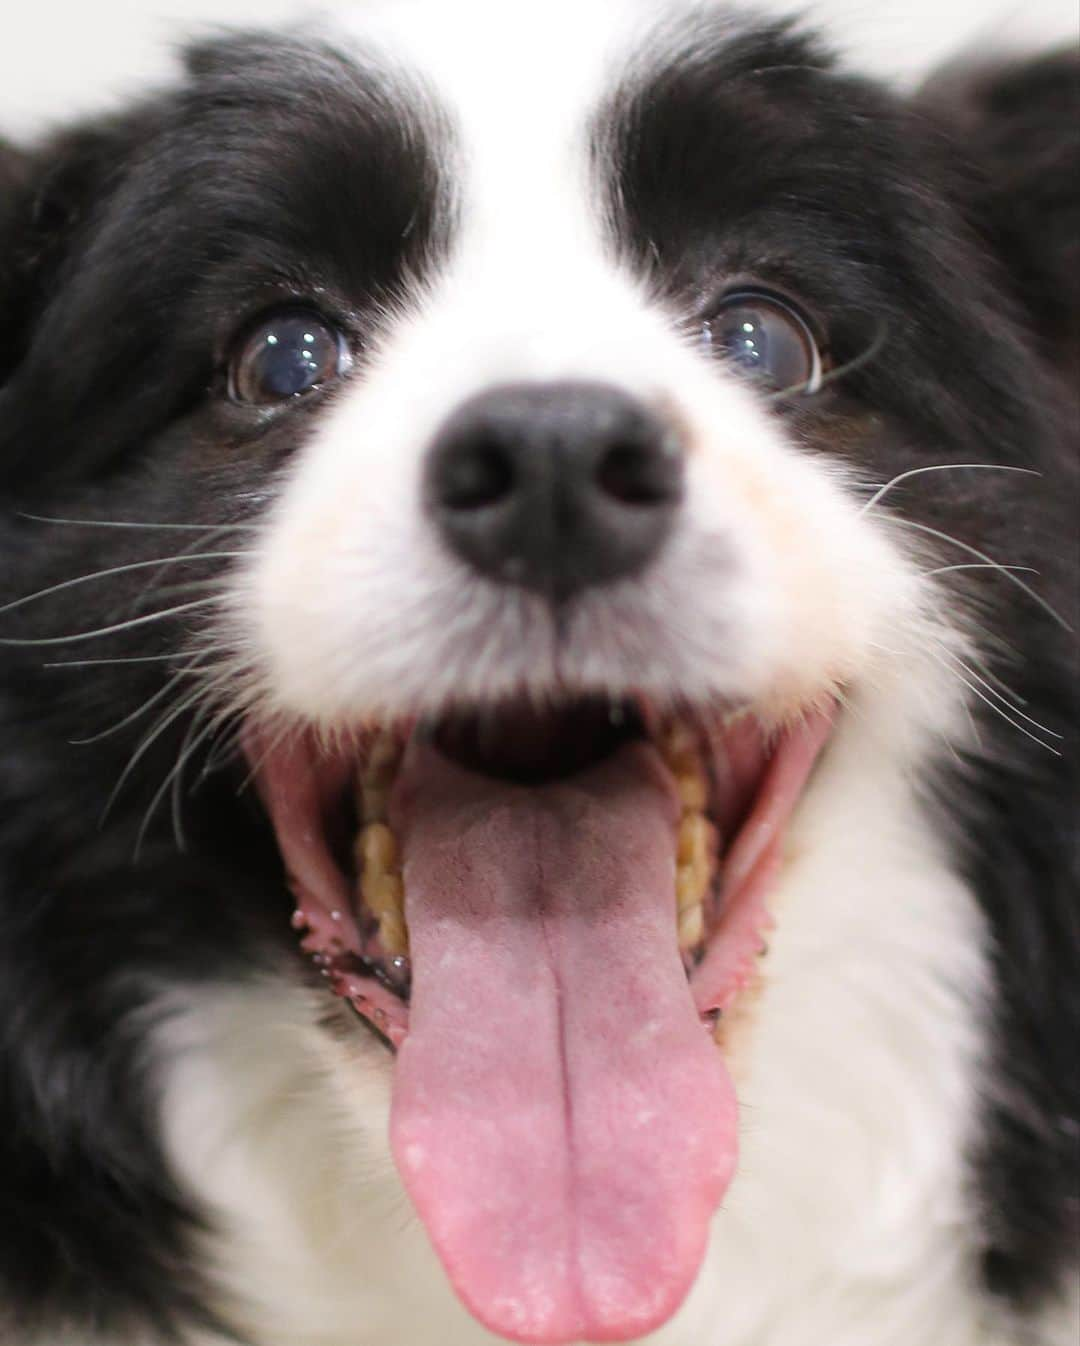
x=528 y=290
x=518 y=80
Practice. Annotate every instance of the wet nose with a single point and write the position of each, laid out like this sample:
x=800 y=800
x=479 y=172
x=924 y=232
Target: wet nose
x=555 y=487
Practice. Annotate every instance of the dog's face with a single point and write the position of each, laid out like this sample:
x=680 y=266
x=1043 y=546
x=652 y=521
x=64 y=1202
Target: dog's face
x=517 y=432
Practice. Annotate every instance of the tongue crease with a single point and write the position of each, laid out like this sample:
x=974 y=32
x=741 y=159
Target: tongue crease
x=562 y=1121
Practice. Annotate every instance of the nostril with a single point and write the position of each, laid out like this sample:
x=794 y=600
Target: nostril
x=484 y=475
x=635 y=474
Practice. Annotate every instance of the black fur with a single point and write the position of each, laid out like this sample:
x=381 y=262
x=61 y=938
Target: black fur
x=131 y=250
x=1018 y=124
x=1019 y=835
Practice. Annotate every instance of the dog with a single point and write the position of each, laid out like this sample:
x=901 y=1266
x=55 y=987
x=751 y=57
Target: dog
x=536 y=800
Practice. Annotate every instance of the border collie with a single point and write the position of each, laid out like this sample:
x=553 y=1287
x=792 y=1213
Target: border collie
x=535 y=672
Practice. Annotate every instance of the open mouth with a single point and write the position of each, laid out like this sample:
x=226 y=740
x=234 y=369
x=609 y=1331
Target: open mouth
x=545 y=911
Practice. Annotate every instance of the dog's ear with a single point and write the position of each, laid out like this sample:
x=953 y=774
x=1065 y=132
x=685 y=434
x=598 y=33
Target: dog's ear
x=46 y=194
x=1013 y=133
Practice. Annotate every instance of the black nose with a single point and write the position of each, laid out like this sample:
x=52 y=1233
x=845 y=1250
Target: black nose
x=555 y=486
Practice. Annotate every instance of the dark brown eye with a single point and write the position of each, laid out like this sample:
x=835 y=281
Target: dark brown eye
x=767 y=338
x=284 y=355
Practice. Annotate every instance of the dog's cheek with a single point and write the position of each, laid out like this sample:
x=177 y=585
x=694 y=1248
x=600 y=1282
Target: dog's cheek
x=817 y=582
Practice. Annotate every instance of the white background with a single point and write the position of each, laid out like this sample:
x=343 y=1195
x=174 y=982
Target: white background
x=58 y=57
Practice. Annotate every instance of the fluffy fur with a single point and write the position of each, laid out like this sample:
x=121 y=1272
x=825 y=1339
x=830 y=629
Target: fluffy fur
x=193 y=1147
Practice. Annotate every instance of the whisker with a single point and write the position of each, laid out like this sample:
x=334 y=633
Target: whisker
x=152 y=585
x=883 y=491
x=121 y=570
x=272 y=747
x=185 y=703
x=993 y=706
x=974 y=551
x=841 y=371
x=222 y=750
x=160 y=527
x=189 y=745
x=176 y=778
x=996 y=694
x=96 y=663
x=118 y=626
x=976 y=565
x=134 y=715
x=169 y=591
x=139 y=659
x=991 y=677
x=849 y=707
x=973 y=725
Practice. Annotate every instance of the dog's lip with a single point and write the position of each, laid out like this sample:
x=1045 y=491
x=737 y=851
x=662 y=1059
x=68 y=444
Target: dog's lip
x=757 y=778
x=752 y=862
x=302 y=783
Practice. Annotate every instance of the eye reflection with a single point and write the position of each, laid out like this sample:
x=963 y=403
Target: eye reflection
x=766 y=338
x=285 y=355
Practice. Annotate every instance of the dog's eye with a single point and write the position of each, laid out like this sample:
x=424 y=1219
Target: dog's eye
x=284 y=355
x=766 y=337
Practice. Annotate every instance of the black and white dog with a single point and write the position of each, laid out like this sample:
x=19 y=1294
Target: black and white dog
x=536 y=505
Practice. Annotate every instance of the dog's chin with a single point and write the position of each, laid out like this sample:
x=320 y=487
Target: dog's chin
x=546 y=910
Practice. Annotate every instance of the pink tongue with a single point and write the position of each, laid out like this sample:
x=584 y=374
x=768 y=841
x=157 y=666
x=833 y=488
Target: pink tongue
x=563 y=1123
